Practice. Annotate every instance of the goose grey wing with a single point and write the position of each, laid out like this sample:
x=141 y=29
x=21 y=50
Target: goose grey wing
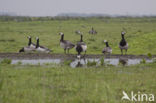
x=69 y=43
x=81 y=43
x=45 y=48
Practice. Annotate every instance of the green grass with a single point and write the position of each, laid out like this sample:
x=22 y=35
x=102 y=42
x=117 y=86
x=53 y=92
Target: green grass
x=44 y=84
x=141 y=34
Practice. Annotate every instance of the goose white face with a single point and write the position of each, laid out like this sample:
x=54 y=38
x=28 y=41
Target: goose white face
x=37 y=38
x=105 y=41
x=29 y=37
x=61 y=33
x=123 y=33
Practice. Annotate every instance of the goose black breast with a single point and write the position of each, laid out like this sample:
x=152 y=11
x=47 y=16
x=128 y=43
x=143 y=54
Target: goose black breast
x=79 y=48
x=123 y=43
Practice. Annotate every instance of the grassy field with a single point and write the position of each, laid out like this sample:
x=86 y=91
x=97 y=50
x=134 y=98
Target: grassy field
x=141 y=34
x=63 y=84
x=56 y=84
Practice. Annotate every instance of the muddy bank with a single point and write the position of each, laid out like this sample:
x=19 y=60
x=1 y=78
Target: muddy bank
x=65 y=56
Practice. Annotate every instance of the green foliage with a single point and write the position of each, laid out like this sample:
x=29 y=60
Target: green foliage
x=6 y=61
x=1 y=80
x=40 y=84
x=149 y=55
x=139 y=32
x=91 y=39
x=154 y=60
x=19 y=63
x=143 y=61
x=102 y=61
x=91 y=63
x=67 y=62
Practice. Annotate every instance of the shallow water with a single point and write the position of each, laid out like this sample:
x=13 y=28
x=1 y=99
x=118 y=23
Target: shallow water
x=82 y=62
x=37 y=61
x=114 y=61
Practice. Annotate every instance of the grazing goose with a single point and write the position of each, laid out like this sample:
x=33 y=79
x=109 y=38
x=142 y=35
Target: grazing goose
x=107 y=49
x=123 y=44
x=65 y=44
x=41 y=49
x=78 y=32
x=30 y=44
x=81 y=47
x=92 y=31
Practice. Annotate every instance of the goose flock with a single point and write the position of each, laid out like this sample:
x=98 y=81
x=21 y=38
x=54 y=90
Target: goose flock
x=34 y=47
x=80 y=46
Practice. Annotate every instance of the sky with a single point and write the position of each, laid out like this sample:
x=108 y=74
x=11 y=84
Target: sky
x=55 y=7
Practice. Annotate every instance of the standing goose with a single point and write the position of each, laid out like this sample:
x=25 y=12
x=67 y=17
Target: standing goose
x=123 y=44
x=81 y=47
x=107 y=49
x=65 y=44
x=41 y=49
x=30 y=44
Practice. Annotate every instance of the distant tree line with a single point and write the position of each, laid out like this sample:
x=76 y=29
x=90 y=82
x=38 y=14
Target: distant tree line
x=27 y=18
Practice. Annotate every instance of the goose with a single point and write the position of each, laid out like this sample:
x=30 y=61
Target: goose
x=123 y=45
x=78 y=32
x=26 y=49
x=41 y=49
x=65 y=44
x=29 y=48
x=30 y=44
x=92 y=31
x=81 y=47
x=107 y=49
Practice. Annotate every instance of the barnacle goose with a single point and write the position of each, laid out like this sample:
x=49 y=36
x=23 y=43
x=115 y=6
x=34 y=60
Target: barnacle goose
x=107 y=49
x=123 y=45
x=30 y=44
x=41 y=49
x=65 y=44
x=81 y=47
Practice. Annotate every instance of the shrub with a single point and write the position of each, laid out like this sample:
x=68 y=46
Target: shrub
x=143 y=61
x=91 y=63
x=149 y=55
x=6 y=61
x=102 y=61
x=67 y=62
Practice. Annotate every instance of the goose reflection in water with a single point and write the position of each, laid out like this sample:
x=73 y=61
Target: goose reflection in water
x=123 y=61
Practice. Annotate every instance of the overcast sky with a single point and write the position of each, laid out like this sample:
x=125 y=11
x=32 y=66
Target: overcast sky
x=54 y=7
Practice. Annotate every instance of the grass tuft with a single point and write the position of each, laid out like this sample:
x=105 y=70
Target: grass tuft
x=6 y=61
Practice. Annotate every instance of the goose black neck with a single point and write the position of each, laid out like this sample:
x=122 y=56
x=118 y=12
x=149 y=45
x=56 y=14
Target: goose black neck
x=81 y=40
x=29 y=42
x=37 y=44
x=62 y=37
x=122 y=36
x=107 y=45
